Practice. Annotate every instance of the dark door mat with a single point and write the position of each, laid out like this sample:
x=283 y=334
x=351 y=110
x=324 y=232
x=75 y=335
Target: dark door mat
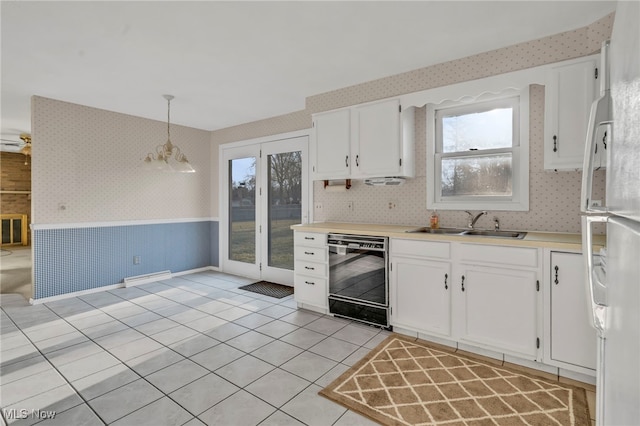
x=269 y=289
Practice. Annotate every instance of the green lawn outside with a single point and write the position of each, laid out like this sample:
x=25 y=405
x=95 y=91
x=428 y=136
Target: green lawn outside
x=243 y=243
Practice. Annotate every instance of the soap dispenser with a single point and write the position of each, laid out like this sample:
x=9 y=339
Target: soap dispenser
x=434 y=220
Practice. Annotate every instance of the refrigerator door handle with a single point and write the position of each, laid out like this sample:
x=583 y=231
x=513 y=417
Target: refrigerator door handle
x=599 y=286
x=599 y=115
x=589 y=153
x=596 y=282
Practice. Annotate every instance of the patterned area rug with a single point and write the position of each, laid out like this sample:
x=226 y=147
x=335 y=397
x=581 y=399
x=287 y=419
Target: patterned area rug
x=403 y=382
x=269 y=289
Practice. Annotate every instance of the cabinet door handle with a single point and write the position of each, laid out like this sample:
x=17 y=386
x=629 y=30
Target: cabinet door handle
x=309 y=238
x=357 y=162
x=310 y=253
x=555 y=143
x=310 y=282
x=309 y=268
x=346 y=161
x=446 y=287
x=463 y=283
x=556 y=280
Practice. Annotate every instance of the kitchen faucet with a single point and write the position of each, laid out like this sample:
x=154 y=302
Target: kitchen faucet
x=473 y=219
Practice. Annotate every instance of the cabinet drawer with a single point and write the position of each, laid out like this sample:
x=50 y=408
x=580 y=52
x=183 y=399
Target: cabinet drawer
x=439 y=250
x=311 y=268
x=310 y=239
x=311 y=290
x=517 y=256
x=311 y=254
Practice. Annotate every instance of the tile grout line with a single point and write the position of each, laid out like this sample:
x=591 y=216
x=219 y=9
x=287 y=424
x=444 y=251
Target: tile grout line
x=59 y=373
x=275 y=366
x=121 y=361
x=141 y=377
x=325 y=336
x=144 y=377
x=223 y=378
x=165 y=346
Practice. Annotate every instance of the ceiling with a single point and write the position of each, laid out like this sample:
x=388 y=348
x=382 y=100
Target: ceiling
x=229 y=63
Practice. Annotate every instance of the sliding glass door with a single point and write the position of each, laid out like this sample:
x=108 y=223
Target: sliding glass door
x=265 y=194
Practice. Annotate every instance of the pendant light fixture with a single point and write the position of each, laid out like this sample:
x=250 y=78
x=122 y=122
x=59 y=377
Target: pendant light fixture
x=26 y=149
x=160 y=159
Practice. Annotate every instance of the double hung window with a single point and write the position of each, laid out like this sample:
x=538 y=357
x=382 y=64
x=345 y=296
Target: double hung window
x=478 y=154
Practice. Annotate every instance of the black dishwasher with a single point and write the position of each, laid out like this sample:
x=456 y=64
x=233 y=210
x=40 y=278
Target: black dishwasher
x=358 y=278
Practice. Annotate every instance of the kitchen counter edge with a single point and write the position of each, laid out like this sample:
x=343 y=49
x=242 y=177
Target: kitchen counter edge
x=551 y=240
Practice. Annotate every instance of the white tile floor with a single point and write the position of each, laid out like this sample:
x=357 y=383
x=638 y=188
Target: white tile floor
x=190 y=351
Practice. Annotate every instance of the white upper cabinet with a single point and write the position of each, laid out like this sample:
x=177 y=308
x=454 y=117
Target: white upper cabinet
x=369 y=140
x=571 y=89
x=331 y=138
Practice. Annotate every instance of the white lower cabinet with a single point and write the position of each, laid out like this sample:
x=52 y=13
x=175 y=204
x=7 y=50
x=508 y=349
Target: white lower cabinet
x=311 y=290
x=497 y=308
x=421 y=295
x=311 y=270
x=419 y=286
x=573 y=340
x=485 y=296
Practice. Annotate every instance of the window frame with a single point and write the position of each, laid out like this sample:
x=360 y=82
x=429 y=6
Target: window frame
x=519 y=199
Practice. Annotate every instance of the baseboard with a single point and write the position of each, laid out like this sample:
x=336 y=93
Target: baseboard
x=313 y=308
x=109 y=287
x=534 y=365
x=147 y=278
x=195 y=271
x=480 y=351
x=580 y=377
x=405 y=332
x=75 y=294
x=439 y=340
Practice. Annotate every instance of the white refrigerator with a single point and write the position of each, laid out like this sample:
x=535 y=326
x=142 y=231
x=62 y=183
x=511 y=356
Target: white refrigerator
x=613 y=286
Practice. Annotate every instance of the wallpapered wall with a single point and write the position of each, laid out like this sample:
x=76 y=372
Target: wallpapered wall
x=554 y=197
x=90 y=160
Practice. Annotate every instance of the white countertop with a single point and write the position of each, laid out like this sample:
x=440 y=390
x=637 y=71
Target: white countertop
x=553 y=240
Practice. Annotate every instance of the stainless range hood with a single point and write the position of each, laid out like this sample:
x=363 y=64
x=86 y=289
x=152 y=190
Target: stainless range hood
x=384 y=181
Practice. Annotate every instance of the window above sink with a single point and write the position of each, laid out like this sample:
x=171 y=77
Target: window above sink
x=477 y=152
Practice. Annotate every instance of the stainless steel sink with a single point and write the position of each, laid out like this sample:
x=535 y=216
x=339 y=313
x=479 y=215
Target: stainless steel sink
x=446 y=231
x=496 y=234
x=516 y=235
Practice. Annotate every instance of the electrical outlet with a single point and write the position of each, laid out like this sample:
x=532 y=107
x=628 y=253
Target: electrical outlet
x=136 y=260
x=318 y=206
x=350 y=205
x=393 y=205
x=596 y=203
